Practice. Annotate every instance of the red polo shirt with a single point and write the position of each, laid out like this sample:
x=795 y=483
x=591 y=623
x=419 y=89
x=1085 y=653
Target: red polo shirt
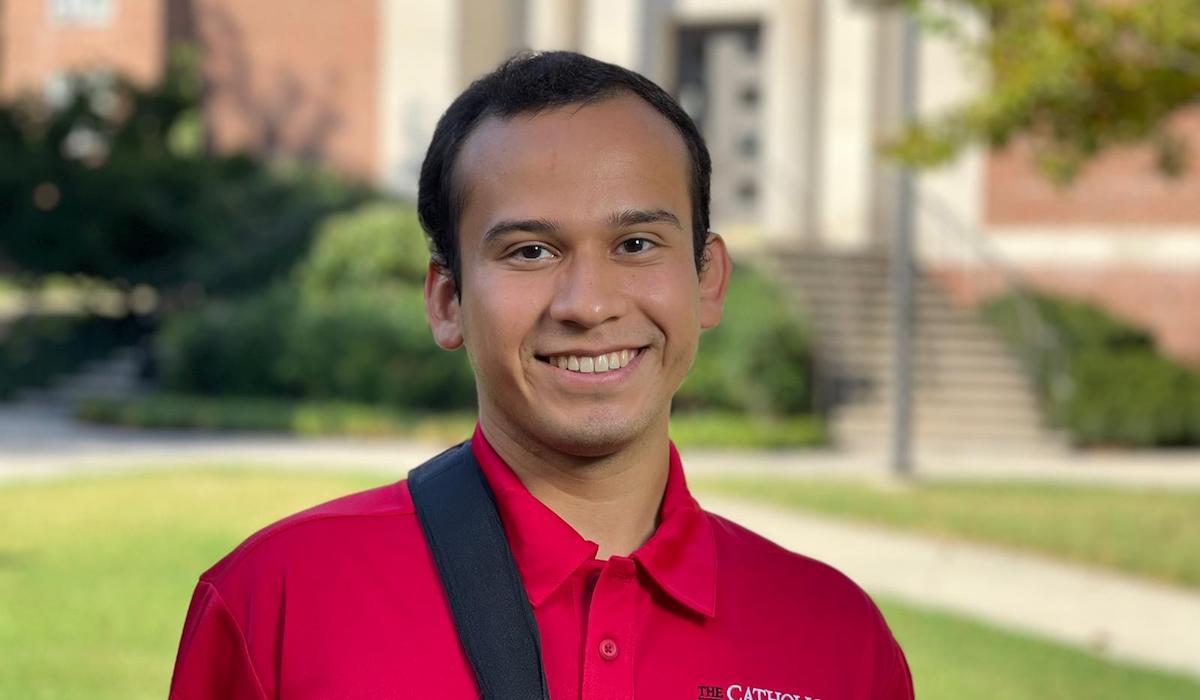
x=343 y=601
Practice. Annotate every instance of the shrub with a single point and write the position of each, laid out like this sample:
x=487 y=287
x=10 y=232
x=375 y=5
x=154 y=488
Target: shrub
x=758 y=359
x=300 y=417
x=1132 y=398
x=306 y=417
x=369 y=345
x=1077 y=325
x=375 y=245
x=230 y=347
x=143 y=204
x=374 y=345
x=1122 y=392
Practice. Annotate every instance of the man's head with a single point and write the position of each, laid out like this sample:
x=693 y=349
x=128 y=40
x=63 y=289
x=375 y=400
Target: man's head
x=568 y=256
x=527 y=84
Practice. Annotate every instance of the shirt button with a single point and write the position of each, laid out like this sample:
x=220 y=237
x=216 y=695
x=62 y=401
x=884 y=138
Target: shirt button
x=608 y=650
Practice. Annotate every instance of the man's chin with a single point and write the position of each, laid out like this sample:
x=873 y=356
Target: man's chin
x=595 y=436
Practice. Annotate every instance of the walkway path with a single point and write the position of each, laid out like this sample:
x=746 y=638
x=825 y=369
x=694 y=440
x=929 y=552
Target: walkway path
x=1107 y=613
x=39 y=440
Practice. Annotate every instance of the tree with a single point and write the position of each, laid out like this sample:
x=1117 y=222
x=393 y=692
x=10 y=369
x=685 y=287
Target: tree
x=1075 y=77
x=113 y=182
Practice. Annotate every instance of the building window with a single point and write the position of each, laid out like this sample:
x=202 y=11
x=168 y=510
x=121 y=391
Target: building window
x=80 y=12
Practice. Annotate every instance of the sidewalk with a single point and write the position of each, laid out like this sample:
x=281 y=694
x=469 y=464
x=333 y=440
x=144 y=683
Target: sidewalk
x=43 y=441
x=1106 y=613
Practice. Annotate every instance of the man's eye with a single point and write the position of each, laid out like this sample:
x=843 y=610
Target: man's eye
x=532 y=252
x=636 y=245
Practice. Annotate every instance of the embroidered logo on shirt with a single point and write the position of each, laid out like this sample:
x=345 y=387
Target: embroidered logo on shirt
x=736 y=691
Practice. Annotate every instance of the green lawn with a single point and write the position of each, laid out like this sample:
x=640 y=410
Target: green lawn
x=954 y=658
x=96 y=573
x=1147 y=532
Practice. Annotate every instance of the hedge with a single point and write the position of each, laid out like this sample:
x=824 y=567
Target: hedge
x=1119 y=390
x=368 y=345
x=759 y=359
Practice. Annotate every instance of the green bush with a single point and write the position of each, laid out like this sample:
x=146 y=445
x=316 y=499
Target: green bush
x=374 y=345
x=349 y=326
x=1077 y=325
x=758 y=359
x=144 y=204
x=1122 y=392
x=342 y=418
x=1132 y=398
x=230 y=347
x=304 y=417
x=376 y=245
x=742 y=431
x=369 y=345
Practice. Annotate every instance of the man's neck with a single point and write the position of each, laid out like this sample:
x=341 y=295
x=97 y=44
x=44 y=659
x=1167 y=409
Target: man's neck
x=612 y=500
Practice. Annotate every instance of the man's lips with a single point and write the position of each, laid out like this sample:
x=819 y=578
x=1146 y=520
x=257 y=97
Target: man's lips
x=593 y=361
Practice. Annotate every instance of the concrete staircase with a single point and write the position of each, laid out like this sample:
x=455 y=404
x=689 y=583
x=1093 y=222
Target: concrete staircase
x=970 y=393
x=116 y=376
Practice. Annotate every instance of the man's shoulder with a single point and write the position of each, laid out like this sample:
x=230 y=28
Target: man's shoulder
x=330 y=529
x=759 y=564
x=762 y=581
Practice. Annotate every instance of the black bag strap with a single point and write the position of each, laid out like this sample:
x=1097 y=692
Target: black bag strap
x=491 y=609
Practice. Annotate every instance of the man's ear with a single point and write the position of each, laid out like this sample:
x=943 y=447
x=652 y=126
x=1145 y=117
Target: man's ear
x=443 y=307
x=714 y=280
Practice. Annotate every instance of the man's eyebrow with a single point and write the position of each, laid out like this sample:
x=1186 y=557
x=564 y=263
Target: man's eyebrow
x=636 y=217
x=513 y=225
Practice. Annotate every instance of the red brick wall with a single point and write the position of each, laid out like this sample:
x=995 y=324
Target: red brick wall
x=1122 y=187
x=32 y=48
x=1162 y=302
x=296 y=78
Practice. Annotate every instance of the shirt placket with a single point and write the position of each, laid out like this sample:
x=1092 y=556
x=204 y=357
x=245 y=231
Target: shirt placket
x=611 y=646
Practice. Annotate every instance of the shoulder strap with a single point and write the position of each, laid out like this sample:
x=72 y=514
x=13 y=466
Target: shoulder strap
x=491 y=609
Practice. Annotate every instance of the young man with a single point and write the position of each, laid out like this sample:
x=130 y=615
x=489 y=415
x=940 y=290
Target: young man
x=567 y=203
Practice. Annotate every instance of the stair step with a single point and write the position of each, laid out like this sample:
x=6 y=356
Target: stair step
x=854 y=432
x=115 y=376
x=951 y=412
x=968 y=386
x=941 y=370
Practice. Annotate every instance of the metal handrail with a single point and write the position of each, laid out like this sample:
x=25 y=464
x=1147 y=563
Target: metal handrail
x=1041 y=343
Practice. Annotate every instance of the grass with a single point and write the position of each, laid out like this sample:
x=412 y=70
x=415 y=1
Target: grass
x=365 y=420
x=951 y=657
x=1146 y=532
x=96 y=573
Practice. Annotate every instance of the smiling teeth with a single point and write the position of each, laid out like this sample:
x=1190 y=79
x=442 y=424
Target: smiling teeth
x=594 y=365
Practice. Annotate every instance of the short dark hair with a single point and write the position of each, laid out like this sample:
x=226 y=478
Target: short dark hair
x=533 y=82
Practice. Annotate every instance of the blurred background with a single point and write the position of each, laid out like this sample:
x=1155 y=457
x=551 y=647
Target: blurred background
x=960 y=359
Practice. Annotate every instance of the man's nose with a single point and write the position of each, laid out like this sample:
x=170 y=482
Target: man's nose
x=590 y=291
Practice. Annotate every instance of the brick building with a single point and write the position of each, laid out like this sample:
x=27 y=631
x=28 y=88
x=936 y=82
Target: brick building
x=792 y=95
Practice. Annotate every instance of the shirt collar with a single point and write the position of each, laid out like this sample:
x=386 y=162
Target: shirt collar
x=680 y=556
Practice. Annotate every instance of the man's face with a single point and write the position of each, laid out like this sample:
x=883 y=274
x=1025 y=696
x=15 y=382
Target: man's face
x=576 y=254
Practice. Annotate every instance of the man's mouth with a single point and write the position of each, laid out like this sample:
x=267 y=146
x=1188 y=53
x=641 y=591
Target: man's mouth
x=593 y=364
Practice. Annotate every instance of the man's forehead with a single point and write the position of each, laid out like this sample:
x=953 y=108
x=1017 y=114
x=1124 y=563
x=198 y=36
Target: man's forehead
x=613 y=153
x=625 y=113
